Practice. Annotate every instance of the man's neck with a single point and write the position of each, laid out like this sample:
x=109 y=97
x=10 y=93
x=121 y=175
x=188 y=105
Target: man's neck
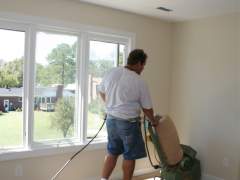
x=131 y=68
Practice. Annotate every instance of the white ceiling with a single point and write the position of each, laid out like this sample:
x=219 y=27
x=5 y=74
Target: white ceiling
x=182 y=9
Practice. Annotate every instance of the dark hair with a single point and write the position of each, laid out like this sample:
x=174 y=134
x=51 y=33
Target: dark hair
x=136 y=56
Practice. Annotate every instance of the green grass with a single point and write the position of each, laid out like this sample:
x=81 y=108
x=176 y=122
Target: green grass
x=42 y=127
x=94 y=123
x=11 y=129
x=11 y=125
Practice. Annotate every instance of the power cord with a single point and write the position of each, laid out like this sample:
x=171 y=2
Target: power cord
x=71 y=158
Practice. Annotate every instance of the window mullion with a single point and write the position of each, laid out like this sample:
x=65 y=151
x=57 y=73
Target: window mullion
x=118 y=52
x=78 y=105
x=29 y=84
x=25 y=89
x=125 y=54
x=84 y=86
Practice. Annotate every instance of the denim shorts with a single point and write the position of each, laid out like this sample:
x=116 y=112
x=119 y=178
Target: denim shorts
x=125 y=137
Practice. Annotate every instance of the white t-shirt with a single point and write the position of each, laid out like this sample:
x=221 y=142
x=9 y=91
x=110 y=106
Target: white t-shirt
x=125 y=93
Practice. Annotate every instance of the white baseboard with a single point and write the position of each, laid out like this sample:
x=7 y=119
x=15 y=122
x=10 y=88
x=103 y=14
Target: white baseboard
x=139 y=172
x=209 y=177
x=118 y=176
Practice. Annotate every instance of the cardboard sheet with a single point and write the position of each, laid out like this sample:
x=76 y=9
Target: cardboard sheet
x=169 y=140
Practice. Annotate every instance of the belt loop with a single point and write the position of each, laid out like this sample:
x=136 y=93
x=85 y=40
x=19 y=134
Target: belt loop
x=132 y=120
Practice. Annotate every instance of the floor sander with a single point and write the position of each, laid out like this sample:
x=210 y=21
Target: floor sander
x=177 y=161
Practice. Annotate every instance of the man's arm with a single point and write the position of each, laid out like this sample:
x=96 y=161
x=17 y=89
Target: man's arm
x=150 y=114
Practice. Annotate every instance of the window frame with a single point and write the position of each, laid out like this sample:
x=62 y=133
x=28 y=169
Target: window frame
x=22 y=28
x=55 y=142
x=85 y=34
x=105 y=39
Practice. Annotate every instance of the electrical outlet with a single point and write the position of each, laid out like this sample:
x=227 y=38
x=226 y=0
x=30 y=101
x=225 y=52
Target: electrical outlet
x=225 y=162
x=18 y=170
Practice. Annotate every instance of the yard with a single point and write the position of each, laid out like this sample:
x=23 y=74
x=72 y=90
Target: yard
x=11 y=127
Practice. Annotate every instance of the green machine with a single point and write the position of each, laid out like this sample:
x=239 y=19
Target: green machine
x=186 y=168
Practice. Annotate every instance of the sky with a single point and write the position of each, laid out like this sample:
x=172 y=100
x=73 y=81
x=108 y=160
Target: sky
x=45 y=42
x=12 y=46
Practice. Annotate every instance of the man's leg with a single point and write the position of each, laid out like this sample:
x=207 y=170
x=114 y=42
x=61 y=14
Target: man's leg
x=128 y=168
x=109 y=164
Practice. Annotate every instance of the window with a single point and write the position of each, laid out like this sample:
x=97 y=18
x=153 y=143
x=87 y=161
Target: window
x=12 y=45
x=48 y=83
x=55 y=71
x=102 y=57
x=48 y=100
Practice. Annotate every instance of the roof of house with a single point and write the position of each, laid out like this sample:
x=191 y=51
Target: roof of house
x=71 y=87
x=39 y=91
x=11 y=92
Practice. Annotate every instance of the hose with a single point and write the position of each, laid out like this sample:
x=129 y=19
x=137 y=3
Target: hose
x=146 y=143
x=72 y=157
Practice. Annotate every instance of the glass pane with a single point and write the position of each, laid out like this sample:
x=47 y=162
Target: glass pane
x=122 y=55
x=103 y=57
x=11 y=88
x=55 y=75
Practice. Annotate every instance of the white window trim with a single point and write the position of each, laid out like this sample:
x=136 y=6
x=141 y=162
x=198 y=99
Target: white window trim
x=47 y=143
x=47 y=22
x=102 y=38
x=25 y=28
x=23 y=153
x=31 y=25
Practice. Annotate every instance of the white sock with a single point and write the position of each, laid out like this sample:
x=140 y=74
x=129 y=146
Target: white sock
x=103 y=179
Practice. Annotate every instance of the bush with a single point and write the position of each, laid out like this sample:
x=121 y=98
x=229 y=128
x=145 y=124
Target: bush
x=63 y=117
x=19 y=109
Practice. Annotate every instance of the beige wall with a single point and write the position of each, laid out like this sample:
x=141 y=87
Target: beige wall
x=152 y=35
x=204 y=91
x=205 y=84
x=238 y=106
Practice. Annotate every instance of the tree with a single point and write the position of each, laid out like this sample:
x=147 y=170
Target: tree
x=8 y=80
x=45 y=75
x=63 y=117
x=99 y=68
x=62 y=63
x=11 y=74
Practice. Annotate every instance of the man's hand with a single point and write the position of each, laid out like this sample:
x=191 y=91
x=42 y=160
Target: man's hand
x=155 y=122
x=150 y=114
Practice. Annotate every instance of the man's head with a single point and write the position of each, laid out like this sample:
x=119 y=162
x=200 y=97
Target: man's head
x=137 y=60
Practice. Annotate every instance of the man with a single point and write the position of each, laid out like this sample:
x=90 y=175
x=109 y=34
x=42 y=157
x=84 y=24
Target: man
x=125 y=94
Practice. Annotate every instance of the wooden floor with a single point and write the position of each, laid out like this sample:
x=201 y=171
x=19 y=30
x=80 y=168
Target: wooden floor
x=147 y=176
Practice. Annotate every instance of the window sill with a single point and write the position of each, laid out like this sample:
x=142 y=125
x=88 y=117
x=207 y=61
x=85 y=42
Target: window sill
x=48 y=151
